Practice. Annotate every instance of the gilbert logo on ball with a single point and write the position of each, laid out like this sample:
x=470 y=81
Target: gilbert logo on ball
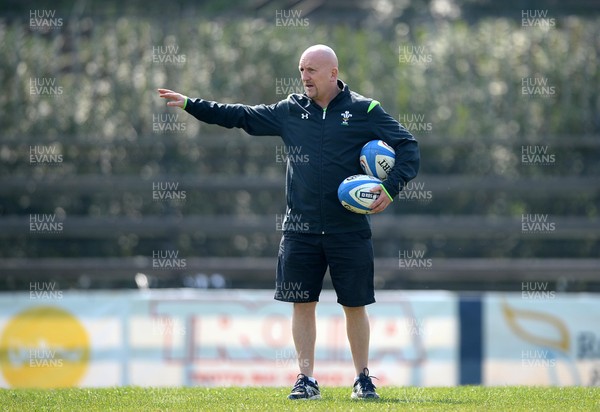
x=377 y=159
x=355 y=193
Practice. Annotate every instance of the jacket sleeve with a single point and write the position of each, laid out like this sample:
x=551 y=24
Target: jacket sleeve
x=406 y=147
x=259 y=120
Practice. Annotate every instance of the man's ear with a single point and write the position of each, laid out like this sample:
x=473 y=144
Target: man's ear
x=334 y=74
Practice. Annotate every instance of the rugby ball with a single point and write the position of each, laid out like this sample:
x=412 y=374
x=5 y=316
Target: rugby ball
x=377 y=158
x=355 y=195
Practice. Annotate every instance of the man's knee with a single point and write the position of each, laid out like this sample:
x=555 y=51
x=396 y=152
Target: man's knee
x=304 y=307
x=351 y=310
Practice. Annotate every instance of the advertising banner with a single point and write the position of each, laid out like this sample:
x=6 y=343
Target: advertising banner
x=51 y=338
x=540 y=337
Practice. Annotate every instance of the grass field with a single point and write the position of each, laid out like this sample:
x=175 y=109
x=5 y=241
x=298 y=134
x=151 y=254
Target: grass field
x=464 y=398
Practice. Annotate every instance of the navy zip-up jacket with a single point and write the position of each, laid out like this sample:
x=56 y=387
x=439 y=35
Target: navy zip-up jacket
x=322 y=146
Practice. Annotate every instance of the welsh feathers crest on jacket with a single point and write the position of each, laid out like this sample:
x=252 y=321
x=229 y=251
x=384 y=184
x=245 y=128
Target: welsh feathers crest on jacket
x=345 y=117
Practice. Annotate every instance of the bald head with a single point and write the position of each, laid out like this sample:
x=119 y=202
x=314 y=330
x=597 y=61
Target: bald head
x=319 y=72
x=322 y=53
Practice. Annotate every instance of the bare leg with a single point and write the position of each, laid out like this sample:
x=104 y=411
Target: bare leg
x=357 y=328
x=304 y=331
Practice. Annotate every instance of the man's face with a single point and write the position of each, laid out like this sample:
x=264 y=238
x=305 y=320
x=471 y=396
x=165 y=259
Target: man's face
x=315 y=73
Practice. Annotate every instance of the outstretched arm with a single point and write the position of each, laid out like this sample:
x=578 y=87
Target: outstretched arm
x=259 y=120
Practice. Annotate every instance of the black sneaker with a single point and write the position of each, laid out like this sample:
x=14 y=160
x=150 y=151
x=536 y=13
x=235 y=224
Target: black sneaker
x=305 y=389
x=363 y=387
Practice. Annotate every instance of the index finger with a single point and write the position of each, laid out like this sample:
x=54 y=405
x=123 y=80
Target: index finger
x=172 y=96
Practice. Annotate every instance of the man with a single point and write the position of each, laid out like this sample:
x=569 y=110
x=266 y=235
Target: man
x=328 y=125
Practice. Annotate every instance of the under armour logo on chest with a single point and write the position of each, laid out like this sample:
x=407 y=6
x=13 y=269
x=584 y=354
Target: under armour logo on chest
x=304 y=115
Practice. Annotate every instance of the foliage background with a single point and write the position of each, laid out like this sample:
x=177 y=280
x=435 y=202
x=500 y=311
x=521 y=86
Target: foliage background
x=234 y=52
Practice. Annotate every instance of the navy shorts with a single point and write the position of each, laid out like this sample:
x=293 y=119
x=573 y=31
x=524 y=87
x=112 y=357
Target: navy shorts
x=303 y=260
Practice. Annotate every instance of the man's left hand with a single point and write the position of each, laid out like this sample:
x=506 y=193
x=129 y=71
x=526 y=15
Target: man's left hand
x=381 y=202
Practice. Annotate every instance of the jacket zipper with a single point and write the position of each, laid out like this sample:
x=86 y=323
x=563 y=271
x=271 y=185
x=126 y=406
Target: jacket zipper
x=321 y=173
